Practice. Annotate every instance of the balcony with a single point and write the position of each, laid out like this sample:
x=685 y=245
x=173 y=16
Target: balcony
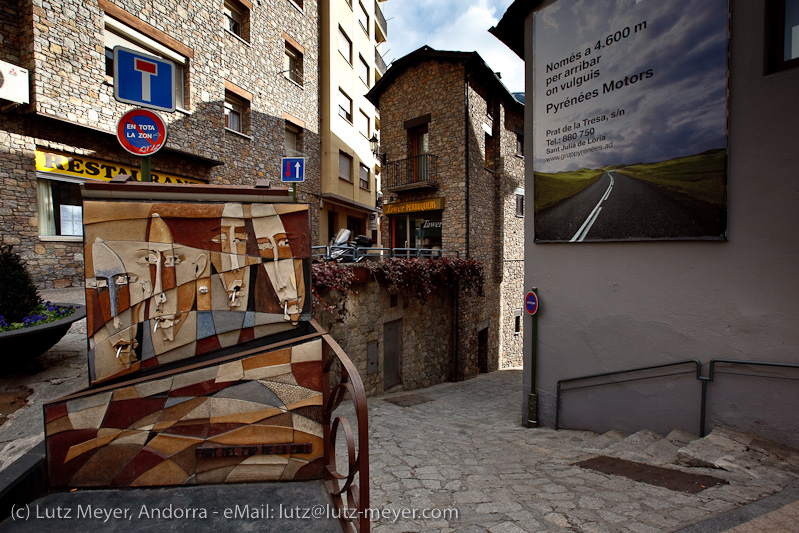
x=379 y=63
x=381 y=26
x=420 y=172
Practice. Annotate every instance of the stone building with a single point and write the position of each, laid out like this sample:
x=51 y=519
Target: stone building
x=247 y=94
x=452 y=180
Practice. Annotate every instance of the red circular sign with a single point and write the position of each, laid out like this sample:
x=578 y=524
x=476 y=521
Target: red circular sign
x=531 y=303
x=141 y=132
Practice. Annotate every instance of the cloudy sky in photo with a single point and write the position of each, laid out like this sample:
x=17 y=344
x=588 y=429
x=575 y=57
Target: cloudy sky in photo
x=457 y=25
x=679 y=110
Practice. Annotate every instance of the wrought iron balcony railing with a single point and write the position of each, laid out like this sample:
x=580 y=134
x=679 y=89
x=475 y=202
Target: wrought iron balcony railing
x=412 y=173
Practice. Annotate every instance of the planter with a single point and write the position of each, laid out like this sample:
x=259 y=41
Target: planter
x=36 y=340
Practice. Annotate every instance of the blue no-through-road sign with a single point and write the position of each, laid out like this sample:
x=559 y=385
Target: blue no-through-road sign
x=293 y=169
x=531 y=303
x=144 y=80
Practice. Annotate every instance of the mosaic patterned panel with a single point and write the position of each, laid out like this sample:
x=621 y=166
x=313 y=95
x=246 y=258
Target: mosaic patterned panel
x=252 y=419
x=168 y=281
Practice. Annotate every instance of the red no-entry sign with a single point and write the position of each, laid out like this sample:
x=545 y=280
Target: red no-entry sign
x=141 y=132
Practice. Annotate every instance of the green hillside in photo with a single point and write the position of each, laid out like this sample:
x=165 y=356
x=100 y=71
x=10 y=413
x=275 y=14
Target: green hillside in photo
x=701 y=176
x=553 y=188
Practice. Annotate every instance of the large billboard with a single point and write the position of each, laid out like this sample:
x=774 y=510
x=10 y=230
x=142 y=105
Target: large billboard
x=630 y=120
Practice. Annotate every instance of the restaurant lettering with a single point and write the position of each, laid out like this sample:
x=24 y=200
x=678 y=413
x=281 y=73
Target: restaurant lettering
x=84 y=167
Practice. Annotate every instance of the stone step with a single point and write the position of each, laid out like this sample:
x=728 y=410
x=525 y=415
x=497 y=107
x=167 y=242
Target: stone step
x=741 y=453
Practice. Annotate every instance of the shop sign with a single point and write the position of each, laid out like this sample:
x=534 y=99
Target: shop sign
x=430 y=204
x=95 y=169
x=432 y=224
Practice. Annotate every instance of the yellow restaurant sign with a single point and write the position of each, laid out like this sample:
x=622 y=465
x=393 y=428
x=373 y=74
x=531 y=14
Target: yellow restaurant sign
x=430 y=204
x=94 y=169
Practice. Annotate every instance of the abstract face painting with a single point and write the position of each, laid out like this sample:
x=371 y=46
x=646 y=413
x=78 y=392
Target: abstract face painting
x=169 y=281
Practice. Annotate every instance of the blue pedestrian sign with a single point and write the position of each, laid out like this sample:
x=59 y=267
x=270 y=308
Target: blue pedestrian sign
x=531 y=303
x=293 y=170
x=144 y=80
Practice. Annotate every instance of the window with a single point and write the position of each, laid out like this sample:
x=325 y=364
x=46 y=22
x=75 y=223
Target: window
x=363 y=18
x=292 y=141
x=344 y=45
x=519 y=143
x=345 y=166
x=118 y=34
x=488 y=148
x=517 y=321
x=60 y=208
x=364 y=175
x=235 y=108
x=344 y=106
x=292 y=64
x=782 y=35
x=363 y=70
x=520 y=205
x=237 y=19
x=363 y=123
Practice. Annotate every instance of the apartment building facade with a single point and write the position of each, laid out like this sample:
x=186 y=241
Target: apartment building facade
x=453 y=178
x=352 y=32
x=247 y=94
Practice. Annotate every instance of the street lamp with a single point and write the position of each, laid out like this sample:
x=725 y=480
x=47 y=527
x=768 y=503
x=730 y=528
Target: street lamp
x=374 y=143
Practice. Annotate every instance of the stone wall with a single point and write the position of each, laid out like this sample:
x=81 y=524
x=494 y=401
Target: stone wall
x=428 y=334
x=73 y=110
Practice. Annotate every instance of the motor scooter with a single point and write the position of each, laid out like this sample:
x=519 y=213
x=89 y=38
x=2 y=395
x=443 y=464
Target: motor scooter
x=341 y=250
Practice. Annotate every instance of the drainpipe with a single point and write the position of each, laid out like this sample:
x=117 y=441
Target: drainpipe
x=466 y=75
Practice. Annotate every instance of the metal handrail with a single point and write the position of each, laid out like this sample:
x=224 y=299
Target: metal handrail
x=351 y=499
x=371 y=252
x=711 y=375
x=617 y=373
x=703 y=379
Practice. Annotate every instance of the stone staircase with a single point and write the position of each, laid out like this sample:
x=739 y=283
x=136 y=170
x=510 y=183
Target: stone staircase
x=741 y=459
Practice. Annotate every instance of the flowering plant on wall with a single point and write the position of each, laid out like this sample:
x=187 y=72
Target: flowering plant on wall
x=20 y=303
x=422 y=278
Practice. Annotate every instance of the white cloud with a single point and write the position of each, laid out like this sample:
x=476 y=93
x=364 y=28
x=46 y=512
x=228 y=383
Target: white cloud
x=456 y=25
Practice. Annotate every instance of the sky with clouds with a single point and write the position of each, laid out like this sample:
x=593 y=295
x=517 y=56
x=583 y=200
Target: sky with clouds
x=677 y=108
x=457 y=25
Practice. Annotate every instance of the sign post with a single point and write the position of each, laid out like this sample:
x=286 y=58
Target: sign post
x=142 y=132
x=292 y=170
x=144 y=80
x=147 y=81
x=531 y=305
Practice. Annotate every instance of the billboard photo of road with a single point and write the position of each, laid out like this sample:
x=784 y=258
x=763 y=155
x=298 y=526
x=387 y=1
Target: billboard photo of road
x=630 y=120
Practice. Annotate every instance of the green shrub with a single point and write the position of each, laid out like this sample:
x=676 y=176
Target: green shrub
x=18 y=295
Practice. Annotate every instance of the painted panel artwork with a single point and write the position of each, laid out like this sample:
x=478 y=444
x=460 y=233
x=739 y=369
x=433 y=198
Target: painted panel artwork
x=630 y=120
x=168 y=281
x=239 y=419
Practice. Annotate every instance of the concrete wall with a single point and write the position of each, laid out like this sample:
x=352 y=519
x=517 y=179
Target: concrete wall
x=614 y=306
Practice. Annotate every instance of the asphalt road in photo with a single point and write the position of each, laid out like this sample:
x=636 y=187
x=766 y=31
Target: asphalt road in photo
x=619 y=207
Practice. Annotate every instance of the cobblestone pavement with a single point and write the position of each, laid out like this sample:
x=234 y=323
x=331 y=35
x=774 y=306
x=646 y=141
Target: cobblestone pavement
x=458 y=453
x=467 y=450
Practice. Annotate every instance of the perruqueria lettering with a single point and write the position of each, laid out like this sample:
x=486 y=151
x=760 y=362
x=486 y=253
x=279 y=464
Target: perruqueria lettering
x=627 y=81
